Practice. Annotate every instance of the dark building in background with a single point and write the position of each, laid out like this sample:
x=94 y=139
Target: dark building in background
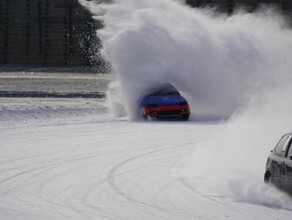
x=47 y=33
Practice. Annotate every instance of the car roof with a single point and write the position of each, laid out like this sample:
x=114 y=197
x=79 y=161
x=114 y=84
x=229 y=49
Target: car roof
x=290 y=133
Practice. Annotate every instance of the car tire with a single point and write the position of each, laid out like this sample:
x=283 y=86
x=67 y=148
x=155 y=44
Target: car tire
x=141 y=113
x=267 y=178
x=185 y=117
x=150 y=118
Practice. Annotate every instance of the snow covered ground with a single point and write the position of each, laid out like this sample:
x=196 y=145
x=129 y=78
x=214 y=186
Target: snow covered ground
x=86 y=164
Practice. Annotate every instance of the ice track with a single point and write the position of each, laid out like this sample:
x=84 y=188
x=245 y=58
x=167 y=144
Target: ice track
x=108 y=168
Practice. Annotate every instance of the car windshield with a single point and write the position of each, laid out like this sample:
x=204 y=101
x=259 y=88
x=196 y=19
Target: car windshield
x=166 y=90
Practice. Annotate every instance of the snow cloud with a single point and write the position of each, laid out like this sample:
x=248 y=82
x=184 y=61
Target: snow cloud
x=218 y=62
x=235 y=164
x=238 y=66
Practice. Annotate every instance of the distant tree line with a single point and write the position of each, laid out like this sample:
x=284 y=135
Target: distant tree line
x=229 y=6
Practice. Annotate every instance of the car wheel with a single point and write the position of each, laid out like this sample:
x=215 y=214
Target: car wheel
x=267 y=177
x=150 y=118
x=141 y=113
x=185 y=117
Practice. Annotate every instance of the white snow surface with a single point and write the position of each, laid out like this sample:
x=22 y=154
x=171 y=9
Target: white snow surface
x=91 y=165
x=73 y=159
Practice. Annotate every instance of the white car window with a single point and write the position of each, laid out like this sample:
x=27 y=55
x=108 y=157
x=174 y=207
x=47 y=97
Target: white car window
x=290 y=151
x=286 y=145
x=279 y=148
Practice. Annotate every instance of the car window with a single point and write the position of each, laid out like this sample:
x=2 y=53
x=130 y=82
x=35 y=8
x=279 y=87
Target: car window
x=286 y=146
x=280 y=146
x=167 y=89
x=290 y=150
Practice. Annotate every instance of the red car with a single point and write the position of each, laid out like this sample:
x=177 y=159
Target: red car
x=165 y=103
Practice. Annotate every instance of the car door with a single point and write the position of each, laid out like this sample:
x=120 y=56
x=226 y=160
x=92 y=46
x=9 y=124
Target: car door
x=287 y=167
x=277 y=157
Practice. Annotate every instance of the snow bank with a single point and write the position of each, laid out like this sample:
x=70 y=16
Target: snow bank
x=45 y=109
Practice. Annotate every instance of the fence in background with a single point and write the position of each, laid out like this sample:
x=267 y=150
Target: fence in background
x=47 y=33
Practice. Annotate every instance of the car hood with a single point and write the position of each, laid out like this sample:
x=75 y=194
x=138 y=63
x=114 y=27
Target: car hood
x=163 y=100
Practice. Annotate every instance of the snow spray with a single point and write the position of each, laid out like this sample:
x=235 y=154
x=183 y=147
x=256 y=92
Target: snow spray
x=237 y=66
x=218 y=62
